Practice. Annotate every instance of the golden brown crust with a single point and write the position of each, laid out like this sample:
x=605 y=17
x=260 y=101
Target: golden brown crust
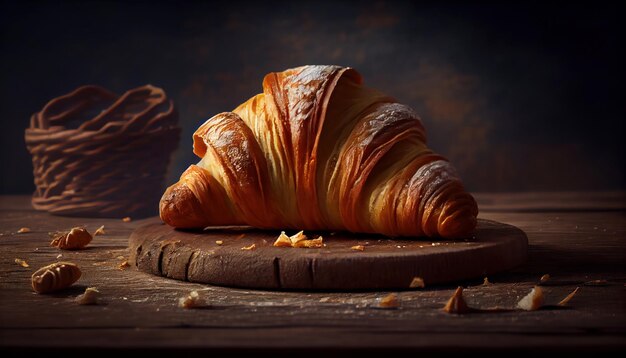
x=318 y=150
x=179 y=207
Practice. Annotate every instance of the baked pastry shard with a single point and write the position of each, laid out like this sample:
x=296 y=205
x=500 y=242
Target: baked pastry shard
x=318 y=150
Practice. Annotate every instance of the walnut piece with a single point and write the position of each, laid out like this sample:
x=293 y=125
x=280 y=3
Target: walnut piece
x=23 y=230
x=54 y=277
x=126 y=219
x=251 y=247
x=532 y=301
x=389 y=301
x=568 y=298
x=99 y=231
x=456 y=304
x=90 y=297
x=417 y=282
x=358 y=247
x=22 y=263
x=75 y=239
x=192 y=300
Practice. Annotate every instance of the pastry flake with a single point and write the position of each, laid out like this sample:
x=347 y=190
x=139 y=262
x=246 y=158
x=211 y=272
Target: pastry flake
x=249 y=247
x=99 y=231
x=310 y=244
x=456 y=304
x=22 y=263
x=533 y=300
x=297 y=238
x=90 y=297
x=417 y=282
x=568 y=298
x=192 y=300
x=282 y=240
x=389 y=301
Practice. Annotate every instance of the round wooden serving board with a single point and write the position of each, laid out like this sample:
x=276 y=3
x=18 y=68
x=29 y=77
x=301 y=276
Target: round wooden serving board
x=383 y=264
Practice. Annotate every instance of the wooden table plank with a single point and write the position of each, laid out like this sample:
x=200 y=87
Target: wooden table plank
x=140 y=310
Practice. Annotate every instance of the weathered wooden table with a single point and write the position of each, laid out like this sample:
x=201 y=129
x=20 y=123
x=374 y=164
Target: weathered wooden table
x=575 y=237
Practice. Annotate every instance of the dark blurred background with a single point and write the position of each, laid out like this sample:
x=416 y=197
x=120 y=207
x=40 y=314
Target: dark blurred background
x=518 y=96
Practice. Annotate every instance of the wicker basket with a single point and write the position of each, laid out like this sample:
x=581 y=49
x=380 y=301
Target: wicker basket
x=98 y=154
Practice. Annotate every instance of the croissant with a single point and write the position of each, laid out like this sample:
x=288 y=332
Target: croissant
x=318 y=150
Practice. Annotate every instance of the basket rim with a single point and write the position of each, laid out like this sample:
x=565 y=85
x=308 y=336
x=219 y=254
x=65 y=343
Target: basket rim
x=38 y=135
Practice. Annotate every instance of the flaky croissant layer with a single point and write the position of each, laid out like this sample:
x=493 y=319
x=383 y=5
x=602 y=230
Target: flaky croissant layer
x=317 y=150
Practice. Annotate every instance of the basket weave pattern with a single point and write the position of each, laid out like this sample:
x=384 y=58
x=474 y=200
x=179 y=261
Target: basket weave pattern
x=98 y=154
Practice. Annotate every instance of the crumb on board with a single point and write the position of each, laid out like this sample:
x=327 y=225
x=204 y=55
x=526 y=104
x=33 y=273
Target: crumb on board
x=123 y=265
x=251 y=247
x=219 y=242
x=59 y=256
x=99 y=231
x=192 y=300
x=533 y=300
x=127 y=219
x=309 y=244
x=389 y=301
x=358 y=247
x=545 y=278
x=417 y=282
x=22 y=263
x=486 y=282
x=568 y=298
x=90 y=297
x=456 y=304
x=297 y=237
x=23 y=230
x=298 y=240
x=282 y=240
